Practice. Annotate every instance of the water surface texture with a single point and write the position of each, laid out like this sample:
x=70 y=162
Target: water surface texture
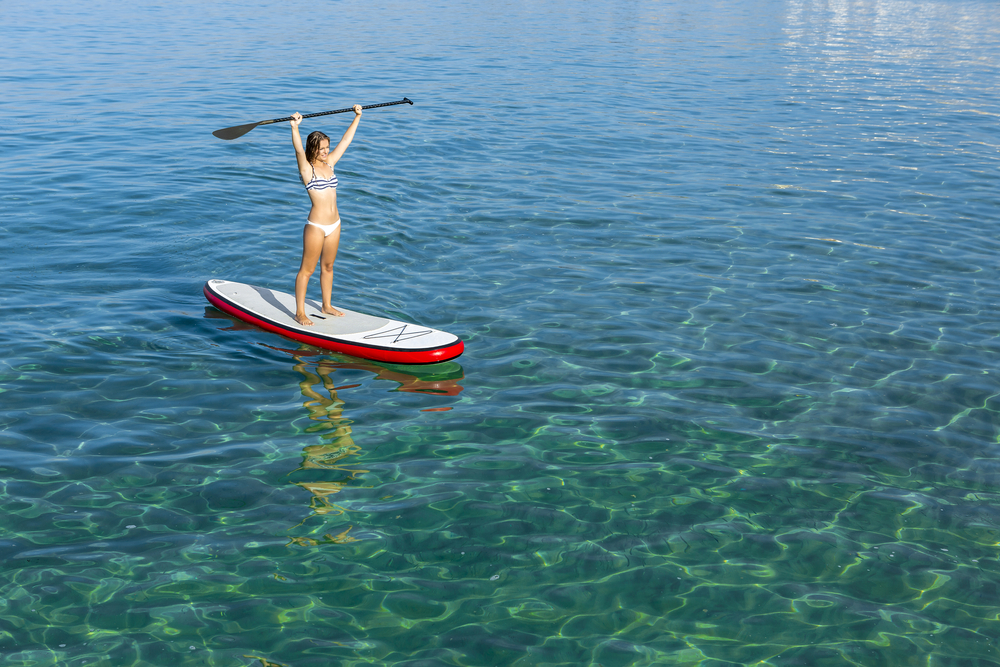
x=727 y=278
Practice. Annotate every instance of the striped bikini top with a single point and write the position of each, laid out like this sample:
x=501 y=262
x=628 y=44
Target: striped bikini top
x=322 y=183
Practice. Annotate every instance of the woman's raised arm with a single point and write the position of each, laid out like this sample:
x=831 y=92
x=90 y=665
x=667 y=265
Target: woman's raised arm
x=300 y=152
x=345 y=141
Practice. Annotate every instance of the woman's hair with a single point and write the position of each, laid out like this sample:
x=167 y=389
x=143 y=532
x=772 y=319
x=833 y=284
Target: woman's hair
x=312 y=144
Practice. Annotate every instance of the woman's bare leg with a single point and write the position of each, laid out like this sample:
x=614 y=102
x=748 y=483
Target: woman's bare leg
x=330 y=246
x=312 y=247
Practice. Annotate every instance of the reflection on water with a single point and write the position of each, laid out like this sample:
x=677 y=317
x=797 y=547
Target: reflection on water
x=326 y=408
x=328 y=411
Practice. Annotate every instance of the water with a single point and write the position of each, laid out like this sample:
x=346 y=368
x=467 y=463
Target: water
x=727 y=279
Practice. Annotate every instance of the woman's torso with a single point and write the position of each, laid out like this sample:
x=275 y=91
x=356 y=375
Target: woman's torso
x=322 y=189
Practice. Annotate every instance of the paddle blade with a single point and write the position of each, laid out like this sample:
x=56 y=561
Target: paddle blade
x=236 y=132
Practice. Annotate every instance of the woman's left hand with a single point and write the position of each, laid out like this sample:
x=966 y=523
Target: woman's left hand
x=357 y=109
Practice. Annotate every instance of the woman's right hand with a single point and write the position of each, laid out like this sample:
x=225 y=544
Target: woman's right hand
x=296 y=119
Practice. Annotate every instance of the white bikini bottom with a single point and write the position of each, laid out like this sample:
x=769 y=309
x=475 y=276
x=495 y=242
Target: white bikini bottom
x=327 y=229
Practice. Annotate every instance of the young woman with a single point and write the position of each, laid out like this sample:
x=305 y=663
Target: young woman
x=321 y=235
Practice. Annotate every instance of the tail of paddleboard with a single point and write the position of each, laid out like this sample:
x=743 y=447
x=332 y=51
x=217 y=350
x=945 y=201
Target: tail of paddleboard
x=356 y=334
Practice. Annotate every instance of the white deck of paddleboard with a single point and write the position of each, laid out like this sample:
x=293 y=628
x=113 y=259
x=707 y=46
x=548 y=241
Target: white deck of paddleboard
x=353 y=327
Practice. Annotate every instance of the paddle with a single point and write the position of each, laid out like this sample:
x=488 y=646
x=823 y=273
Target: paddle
x=238 y=131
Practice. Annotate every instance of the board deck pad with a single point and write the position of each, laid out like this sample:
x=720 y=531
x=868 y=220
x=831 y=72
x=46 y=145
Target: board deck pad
x=357 y=334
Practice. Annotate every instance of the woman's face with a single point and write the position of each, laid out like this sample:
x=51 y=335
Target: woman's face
x=324 y=150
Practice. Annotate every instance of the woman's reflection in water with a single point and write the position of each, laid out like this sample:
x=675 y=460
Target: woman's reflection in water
x=327 y=410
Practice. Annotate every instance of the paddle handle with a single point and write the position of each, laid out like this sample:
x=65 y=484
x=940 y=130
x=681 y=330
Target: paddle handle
x=327 y=113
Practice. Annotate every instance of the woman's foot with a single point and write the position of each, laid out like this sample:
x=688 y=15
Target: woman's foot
x=303 y=320
x=330 y=310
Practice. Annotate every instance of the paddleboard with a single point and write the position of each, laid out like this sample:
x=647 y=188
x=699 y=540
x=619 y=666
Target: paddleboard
x=356 y=334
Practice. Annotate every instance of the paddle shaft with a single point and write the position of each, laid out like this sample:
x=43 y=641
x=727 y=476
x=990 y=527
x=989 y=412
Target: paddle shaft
x=237 y=131
x=327 y=113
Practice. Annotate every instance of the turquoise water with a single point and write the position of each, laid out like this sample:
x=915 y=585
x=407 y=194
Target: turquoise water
x=727 y=278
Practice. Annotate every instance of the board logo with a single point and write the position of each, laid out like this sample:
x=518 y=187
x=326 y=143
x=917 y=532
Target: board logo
x=404 y=332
